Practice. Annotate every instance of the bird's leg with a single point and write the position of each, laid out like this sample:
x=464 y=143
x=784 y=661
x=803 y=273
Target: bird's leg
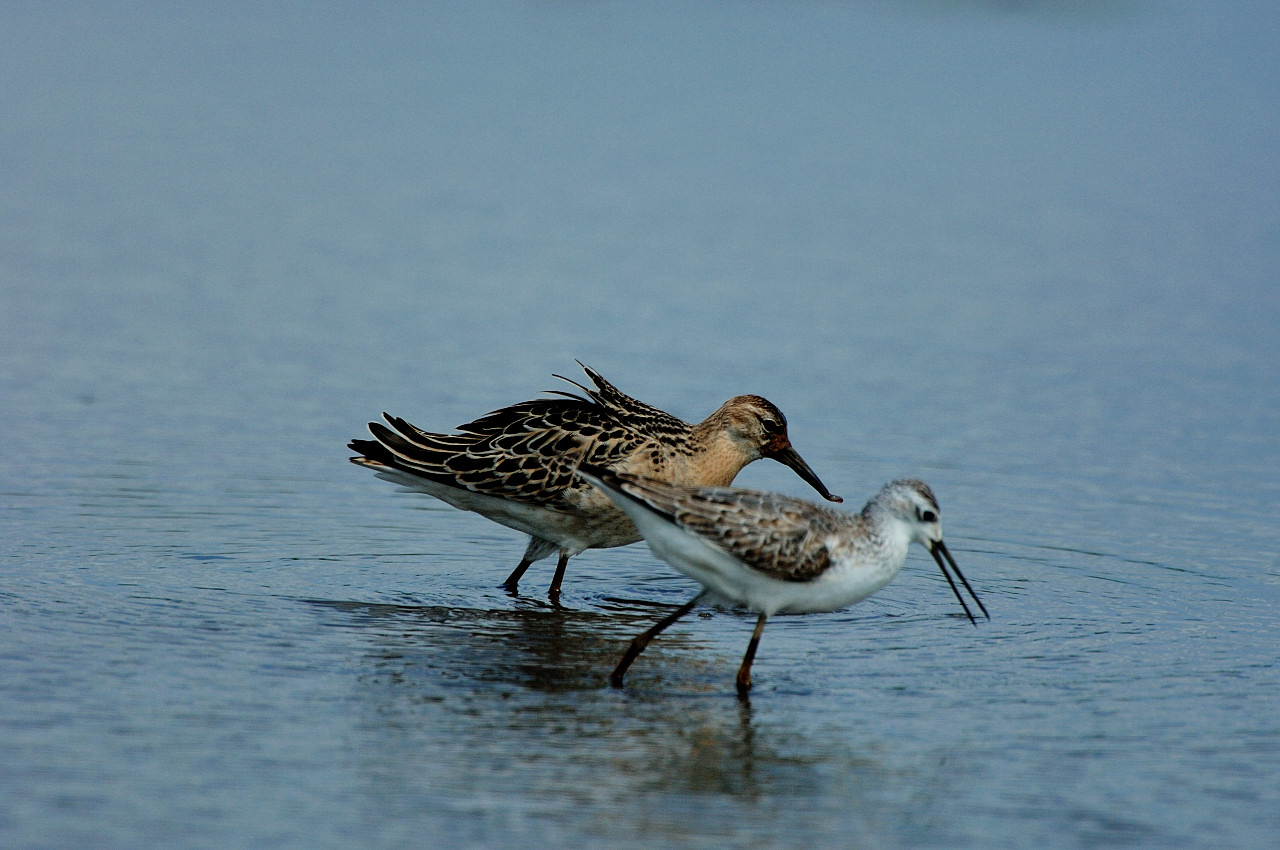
x=744 y=672
x=554 y=593
x=513 y=581
x=643 y=640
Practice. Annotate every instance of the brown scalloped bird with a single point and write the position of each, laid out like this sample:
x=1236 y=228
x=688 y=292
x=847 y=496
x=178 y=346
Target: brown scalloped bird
x=517 y=465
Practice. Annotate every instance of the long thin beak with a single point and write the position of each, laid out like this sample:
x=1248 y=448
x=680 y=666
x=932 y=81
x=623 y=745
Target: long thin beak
x=938 y=551
x=785 y=454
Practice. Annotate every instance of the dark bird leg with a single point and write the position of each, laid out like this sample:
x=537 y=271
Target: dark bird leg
x=535 y=551
x=513 y=581
x=643 y=640
x=744 y=672
x=554 y=593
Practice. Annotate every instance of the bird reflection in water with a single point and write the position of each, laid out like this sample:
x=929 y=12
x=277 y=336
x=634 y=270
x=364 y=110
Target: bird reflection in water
x=532 y=685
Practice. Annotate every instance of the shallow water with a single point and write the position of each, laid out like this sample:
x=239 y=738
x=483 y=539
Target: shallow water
x=1028 y=253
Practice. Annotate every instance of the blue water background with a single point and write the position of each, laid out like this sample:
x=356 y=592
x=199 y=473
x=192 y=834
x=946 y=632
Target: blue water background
x=1029 y=252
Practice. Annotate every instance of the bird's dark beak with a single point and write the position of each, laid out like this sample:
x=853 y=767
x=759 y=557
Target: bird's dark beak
x=939 y=551
x=781 y=451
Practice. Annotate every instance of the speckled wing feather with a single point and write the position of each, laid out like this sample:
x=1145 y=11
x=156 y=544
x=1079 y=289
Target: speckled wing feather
x=777 y=535
x=526 y=452
x=640 y=417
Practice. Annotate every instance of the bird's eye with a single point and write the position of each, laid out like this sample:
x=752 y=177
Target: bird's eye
x=770 y=426
x=928 y=516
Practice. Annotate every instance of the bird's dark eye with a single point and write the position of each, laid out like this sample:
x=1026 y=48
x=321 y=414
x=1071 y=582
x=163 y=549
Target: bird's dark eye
x=770 y=426
x=928 y=516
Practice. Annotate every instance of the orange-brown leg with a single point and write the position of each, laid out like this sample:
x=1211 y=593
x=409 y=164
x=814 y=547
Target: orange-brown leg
x=744 y=672
x=561 y=565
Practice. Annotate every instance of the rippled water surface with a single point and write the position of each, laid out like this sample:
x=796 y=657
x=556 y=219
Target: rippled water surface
x=1028 y=252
